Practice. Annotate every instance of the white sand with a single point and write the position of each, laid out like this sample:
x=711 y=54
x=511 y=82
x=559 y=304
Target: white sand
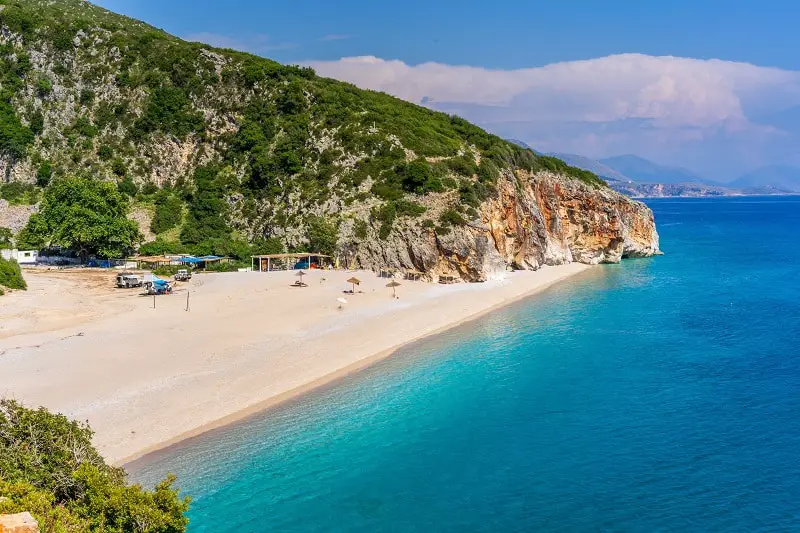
x=146 y=377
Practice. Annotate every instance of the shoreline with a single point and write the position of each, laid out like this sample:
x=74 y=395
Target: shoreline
x=324 y=381
x=147 y=378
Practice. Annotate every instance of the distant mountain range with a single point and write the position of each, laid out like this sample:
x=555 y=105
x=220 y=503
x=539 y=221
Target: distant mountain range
x=636 y=176
x=777 y=176
x=604 y=171
x=643 y=170
x=524 y=145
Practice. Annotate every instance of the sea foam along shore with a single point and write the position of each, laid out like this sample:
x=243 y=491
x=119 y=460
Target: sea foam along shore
x=146 y=377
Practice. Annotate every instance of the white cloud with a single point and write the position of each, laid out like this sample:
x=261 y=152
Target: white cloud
x=611 y=104
x=255 y=44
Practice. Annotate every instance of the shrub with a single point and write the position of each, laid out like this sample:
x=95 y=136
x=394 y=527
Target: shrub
x=410 y=209
x=6 y=238
x=49 y=467
x=161 y=247
x=149 y=188
x=450 y=218
x=44 y=87
x=464 y=166
x=207 y=208
x=270 y=245
x=322 y=236
x=84 y=126
x=118 y=167
x=168 y=214
x=105 y=152
x=44 y=173
x=488 y=171
x=37 y=122
x=222 y=267
x=169 y=110
x=360 y=229
x=19 y=193
x=14 y=137
x=418 y=177
x=86 y=97
x=10 y=277
x=167 y=270
x=127 y=187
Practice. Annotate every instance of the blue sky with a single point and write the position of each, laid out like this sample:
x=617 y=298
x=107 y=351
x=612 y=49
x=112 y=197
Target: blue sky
x=509 y=34
x=693 y=112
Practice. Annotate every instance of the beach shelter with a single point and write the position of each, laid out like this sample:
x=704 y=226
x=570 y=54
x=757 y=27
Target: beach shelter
x=354 y=281
x=300 y=274
x=393 y=284
x=341 y=301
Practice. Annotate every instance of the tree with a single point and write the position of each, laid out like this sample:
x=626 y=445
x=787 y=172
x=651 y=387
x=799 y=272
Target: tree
x=169 y=211
x=44 y=173
x=6 y=238
x=418 y=177
x=14 y=137
x=83 y=215
x=127 y=187
x=322 y=236
x=206 y=220
x=49 y=467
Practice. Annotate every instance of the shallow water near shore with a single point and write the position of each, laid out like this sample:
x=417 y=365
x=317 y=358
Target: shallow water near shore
x=659 y=394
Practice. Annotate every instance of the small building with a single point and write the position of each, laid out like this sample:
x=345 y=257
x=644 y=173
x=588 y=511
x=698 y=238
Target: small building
x=23 y=257
x=203 y=261
x=151 y=261
x=304 y=260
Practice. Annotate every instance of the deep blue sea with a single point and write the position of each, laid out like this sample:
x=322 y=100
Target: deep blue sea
x=660 y=394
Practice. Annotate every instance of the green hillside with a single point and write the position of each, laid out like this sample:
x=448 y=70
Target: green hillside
x=219 y=148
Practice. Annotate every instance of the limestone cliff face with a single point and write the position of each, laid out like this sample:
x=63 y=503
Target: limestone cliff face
x=534 y=220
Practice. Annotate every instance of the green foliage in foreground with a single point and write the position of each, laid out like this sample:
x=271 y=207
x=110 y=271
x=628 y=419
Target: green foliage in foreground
x=11 y=275
x=84 y=215
x=49 y=468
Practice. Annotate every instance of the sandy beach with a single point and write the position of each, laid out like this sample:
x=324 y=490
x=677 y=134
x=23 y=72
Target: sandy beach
x=147 y=377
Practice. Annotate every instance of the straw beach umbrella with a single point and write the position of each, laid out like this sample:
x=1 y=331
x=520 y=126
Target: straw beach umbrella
x=393 y=284
x=300 y=274
x=354 y=281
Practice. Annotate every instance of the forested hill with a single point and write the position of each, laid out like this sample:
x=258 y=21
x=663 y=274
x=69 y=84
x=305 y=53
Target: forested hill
x=218 y=148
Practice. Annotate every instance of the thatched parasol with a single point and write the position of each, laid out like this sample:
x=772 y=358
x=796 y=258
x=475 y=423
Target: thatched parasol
x=300 y=274
x=393 y=284
x=354 y=281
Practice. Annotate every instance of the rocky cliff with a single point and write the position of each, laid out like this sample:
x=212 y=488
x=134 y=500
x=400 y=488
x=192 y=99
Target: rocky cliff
x=216 y=147
x=535 y=219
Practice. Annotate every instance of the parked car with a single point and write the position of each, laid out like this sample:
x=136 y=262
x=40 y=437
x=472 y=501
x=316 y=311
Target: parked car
x=183 y=275
x=158 y=286
x=128 y=281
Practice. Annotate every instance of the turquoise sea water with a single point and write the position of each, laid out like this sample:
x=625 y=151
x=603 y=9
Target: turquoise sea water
x=657 y=395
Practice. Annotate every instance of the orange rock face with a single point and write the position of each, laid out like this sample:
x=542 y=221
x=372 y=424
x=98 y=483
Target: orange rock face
x=533 y=220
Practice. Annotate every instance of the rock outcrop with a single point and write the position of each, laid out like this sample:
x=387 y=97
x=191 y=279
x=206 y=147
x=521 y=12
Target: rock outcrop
x=534 y=220
x=14 y=217
x=18 y=523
